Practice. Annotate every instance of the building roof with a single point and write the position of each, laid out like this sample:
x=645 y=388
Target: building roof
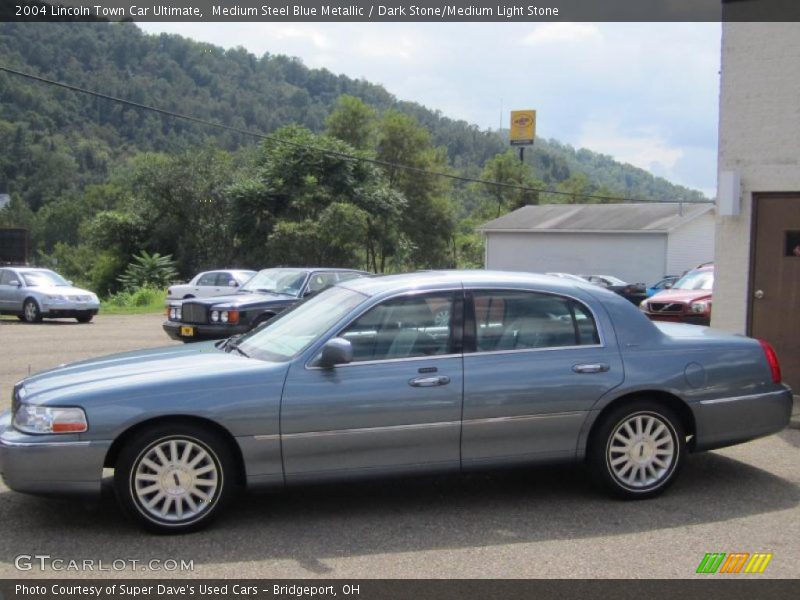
x=640 y=217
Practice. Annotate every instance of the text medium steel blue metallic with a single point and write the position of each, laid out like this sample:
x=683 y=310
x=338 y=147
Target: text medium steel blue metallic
x=417 y=373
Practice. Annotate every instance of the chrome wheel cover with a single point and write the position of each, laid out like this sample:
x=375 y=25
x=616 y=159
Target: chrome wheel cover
x=30 y=311
x=176 y=480
x=642 y=451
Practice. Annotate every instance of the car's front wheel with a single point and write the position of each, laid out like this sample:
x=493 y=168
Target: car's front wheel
x=31 y=312
x=174 y=478
x=84 y=318
x=636 y=449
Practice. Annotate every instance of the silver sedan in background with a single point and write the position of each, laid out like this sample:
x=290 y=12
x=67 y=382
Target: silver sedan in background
x=32 y=294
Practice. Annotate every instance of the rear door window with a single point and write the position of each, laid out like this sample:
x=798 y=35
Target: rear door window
x=517 y=320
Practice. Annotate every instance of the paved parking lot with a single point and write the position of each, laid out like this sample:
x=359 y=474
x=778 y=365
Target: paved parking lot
x=544 y=522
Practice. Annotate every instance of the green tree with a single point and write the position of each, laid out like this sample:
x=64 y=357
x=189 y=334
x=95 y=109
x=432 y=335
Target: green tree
x=352 y=121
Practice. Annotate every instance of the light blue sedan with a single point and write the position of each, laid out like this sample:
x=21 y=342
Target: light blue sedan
x=33 y=294
x=419 y=373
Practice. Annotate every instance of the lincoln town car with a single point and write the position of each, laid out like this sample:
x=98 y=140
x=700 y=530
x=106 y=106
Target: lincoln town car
x=396 y=375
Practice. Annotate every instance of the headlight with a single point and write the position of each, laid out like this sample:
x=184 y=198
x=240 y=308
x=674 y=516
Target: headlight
x=214 y=316
x=699 y=308
x=173 y=313
x=178 y=313
x=49 y=419
x=224 y=316
x=56 y=298
x=643 y=305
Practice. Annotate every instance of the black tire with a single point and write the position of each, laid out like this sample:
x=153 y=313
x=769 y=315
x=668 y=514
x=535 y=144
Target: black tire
x=628 y=461
x=31 y=312
x=84 y=318
x=149 y=496
x=20 y=317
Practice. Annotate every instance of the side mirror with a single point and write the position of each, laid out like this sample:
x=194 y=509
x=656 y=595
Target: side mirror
x=15 y=282
x=337 y=351
x=233 y=283
x=308 y=293
x=667 y=286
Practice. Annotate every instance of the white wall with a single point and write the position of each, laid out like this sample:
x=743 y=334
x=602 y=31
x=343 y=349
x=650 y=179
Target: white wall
x=759 y=135
x=691 y=245
x=632 y=257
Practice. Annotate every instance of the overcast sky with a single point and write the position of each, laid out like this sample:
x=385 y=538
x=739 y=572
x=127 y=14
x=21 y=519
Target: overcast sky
x=645 y=93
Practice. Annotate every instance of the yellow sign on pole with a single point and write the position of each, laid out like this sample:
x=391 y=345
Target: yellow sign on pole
x=523 y=127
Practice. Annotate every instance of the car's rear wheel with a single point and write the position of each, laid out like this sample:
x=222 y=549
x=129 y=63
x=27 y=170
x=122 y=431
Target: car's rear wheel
x=637 y=449
x=84 y=318
x=174 y=478
x=31 y=312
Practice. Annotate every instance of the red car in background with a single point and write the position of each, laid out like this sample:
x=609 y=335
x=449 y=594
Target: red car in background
x=688 y=301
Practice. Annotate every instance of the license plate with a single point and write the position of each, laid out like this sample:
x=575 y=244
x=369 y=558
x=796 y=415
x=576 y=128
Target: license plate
x=187 y=331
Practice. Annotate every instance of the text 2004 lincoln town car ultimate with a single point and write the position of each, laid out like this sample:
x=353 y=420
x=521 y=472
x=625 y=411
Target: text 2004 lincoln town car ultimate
x=403 y=374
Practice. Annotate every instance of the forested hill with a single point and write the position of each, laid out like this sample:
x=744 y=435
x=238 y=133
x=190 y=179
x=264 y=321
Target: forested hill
x=71 y=139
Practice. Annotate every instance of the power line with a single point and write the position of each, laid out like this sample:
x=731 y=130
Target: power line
x=335 y=153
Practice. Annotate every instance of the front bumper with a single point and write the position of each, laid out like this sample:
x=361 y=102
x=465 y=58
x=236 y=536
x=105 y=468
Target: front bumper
x=692 y=319
x=69 y=309
x=203 y=332
x=50 y=464
x=724 y=422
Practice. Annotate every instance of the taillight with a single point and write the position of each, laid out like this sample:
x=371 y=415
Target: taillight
x=772 y=359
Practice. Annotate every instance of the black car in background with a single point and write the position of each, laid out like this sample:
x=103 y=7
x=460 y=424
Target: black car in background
x=266 y=294
x=633 y=292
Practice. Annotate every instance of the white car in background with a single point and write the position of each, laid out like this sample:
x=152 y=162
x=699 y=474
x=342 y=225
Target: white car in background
x=210 y=283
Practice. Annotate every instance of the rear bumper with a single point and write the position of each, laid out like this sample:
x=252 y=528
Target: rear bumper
x=46 y=466
x=727 y=421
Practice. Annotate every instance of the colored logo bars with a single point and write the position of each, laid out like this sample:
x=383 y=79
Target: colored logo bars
x=736 y=562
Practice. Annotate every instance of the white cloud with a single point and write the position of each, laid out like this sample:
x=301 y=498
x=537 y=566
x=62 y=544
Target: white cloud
x=559 y=33
x=644 y=149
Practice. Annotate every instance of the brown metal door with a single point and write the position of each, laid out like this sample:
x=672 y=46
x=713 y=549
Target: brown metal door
x=775 y=292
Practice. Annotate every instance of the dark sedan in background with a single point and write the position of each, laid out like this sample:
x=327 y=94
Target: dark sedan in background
x=268 y=293
x=632 y=292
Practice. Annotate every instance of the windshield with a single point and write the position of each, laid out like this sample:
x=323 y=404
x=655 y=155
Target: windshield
x=277 y=281
x=293 y=331
x=43 y=279
x=695 y=280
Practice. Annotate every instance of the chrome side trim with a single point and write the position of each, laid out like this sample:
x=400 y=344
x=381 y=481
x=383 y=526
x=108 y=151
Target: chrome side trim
x=389 y=361
x=520 y=350
x=386 y=429
x=419 y=426
x=490 y=420
x=10 y=444
x=741 y=398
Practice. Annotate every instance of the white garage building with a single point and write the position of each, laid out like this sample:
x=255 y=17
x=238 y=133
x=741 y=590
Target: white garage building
x=637 y=242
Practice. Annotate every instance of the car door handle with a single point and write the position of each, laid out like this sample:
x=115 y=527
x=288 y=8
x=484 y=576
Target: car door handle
x=591 y=368
x=429 y=381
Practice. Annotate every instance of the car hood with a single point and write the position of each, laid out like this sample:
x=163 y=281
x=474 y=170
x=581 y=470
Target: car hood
x=60 y=290
x=244 y=299
x=674 y=295
x=142 y=373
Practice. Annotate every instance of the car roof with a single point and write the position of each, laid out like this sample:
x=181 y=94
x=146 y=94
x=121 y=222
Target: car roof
x=471 y=278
